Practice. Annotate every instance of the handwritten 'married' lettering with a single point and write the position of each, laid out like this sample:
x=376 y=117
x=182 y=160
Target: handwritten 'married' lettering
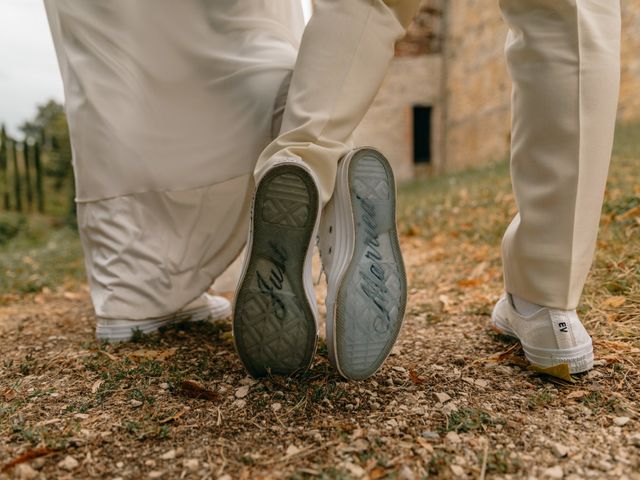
x=373 y=278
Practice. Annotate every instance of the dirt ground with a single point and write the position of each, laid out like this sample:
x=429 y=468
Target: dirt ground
x=454 y=400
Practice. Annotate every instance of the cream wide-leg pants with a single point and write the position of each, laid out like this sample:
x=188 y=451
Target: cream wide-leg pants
x=564 y=59
x=170 y=104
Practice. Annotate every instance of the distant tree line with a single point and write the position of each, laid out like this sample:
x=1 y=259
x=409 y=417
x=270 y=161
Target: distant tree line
x=35 y=171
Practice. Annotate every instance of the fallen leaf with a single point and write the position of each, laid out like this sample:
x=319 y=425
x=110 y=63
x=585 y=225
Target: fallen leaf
x=576 y=394
x=560 y=371
x=193 y=389
x=160 y=355
x=96 y=385
x=415 y=378
x=25 y=457
x=377 y=472
x=632 y=212
x=613 y=302
x=469 y=282
x=502 y=356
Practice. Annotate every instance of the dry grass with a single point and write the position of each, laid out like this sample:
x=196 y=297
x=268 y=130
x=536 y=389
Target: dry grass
x=179 y=405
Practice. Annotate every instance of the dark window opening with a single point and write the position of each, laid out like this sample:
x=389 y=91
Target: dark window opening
x=422 y=134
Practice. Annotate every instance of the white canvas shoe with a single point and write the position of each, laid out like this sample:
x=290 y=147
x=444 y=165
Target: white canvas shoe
x=549 y=337
x=360 y=251
x=205 y=307
x=275 y=319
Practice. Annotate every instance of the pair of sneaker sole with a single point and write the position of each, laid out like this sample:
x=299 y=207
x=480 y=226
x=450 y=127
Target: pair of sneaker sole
x=275 y=322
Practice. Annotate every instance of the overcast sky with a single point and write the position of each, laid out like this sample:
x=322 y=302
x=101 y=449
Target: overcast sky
x=28 y=68
x=29 y=72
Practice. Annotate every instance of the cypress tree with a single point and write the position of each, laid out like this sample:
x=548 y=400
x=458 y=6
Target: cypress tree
x=27 y=174
x=4 y=168
x=39 y=180
x=17 y=188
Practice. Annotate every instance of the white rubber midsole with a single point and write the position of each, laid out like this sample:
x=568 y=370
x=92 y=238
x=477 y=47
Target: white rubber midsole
x=118 y=330
x=344 y=247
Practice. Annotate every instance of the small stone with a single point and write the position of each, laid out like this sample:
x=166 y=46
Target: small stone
x=276 y=407
x=150 y=463
x=179 y=451
x=634 y=439
x=136 y=403
x=68 y=463
x=119 y=464
x=168 y=455
x=407 y=474
x=468 y=380
x=248 y=381
x=292 y=450
x=356 y=470
x=428 y=435
x=155 y=474
x=453 y=437
x=191 y=464
x=482 y=383
x=604 y=465
x=442 y=397
x=360 y=445
x=164 y=386
x=458 y=471
x=559 y=450
x=240 y=403
x=226 y=476
x=553 y=473
x=621 y=421
x=25 y=472
x=242 y=391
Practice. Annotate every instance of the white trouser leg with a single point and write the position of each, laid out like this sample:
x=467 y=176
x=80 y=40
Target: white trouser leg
x=564 y=58
x=343 y=58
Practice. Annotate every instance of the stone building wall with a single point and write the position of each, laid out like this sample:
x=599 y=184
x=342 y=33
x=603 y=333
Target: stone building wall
x=388 y=125
x=413 y=80
x=456 y=65
x=477 y=114
x=477 y=117
x=629 y=109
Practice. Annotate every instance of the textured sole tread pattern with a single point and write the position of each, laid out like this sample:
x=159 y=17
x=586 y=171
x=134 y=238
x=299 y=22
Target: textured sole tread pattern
x=371 y=298
x=274 y=325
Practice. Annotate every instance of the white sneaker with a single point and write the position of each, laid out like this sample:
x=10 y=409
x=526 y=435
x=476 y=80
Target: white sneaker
x=275 y=320
x=549 y=337
x=360 y=251
x=205 y=307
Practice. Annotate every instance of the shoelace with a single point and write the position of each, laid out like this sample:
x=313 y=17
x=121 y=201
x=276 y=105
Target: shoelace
x=322 y=270
x=322 y=258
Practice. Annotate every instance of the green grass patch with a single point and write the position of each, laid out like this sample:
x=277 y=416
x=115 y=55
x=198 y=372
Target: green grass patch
x=36 y=253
